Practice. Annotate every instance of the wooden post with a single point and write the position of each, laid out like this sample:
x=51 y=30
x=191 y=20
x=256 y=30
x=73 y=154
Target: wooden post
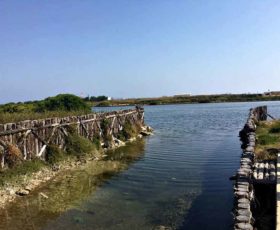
x=2 y=156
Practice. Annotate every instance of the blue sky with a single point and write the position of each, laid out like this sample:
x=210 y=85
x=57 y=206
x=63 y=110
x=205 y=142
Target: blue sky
x=138 y=48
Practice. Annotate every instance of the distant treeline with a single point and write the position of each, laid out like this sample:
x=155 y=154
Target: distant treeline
x=96 y=99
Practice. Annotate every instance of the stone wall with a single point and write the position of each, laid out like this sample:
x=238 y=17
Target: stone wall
x=244 y=193
x=30 y=138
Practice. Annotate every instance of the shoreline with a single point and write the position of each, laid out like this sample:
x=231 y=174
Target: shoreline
x=10 y=192
x=181 y=103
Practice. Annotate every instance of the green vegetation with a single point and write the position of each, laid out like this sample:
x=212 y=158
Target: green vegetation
x=79 y=146
x=268 y=139
x=62 y=102
x=189 y=99
x=129 y=131
x=54 y=154
x=76 y=146
x=26 y=168
x=59 y=106
x=96 y=99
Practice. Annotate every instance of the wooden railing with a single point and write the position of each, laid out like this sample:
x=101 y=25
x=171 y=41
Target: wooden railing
x=31 y=137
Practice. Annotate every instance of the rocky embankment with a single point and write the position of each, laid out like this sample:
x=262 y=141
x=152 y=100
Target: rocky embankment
x=27 y=183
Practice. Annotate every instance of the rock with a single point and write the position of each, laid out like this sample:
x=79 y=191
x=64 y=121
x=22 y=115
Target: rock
x=243 y=206
x=10 y=191
x=149 y=129
x=245 y=226
x=250 y=149
x=55 y=167
x=28 y=188
x=242 y=194
x=22 y=192
x=241 y=219
x=146 y=131
x=242 y=183
x=241 y=189
x=244 y=212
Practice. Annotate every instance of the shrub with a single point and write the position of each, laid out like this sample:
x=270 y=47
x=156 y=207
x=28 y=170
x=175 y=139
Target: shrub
x=96 y=142
x=13 y=156
x=105 y=123
x=105 y=126
x=54 y=154
x=72 y=129
x=63 y=102
x=78 y=146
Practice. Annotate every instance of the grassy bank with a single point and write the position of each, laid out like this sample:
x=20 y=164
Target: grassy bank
x=268 y=140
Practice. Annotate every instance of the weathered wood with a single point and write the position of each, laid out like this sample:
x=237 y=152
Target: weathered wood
x=33 y=137
x=2 y=156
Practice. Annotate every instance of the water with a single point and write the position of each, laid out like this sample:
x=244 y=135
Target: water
x=177 y=178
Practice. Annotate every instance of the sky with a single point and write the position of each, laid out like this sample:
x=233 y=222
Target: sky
x=137 y=48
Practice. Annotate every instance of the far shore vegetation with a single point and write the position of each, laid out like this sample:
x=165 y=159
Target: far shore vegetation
x=64 y=105
x=187 y=99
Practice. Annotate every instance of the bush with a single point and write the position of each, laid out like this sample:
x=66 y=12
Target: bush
x=96 y=142
x=62 y=102
x=14 y=156
x=105 y=125
x=54 y=154
x=78 y=146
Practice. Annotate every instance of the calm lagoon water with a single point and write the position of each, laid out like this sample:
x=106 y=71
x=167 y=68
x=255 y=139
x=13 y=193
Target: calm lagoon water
x=176 y=178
